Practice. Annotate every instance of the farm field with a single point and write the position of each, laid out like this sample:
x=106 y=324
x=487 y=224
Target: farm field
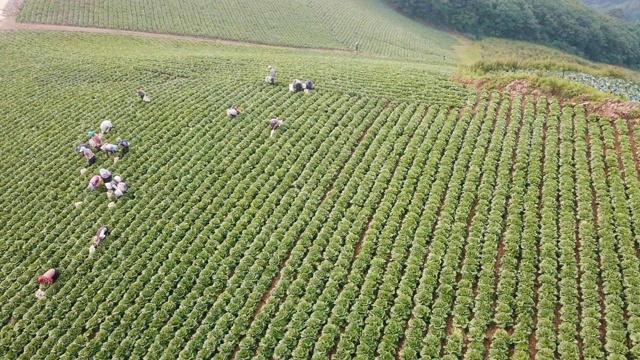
x=325 y=24
x=394 y=215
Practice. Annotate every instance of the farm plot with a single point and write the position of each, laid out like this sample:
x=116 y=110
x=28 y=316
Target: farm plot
x=393 y=222
x=329 y=24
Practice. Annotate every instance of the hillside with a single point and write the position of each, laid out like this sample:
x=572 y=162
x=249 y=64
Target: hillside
x=314 y=24
x=626 y=9
x=391 y=219
x=397 y=214
x=567 y=25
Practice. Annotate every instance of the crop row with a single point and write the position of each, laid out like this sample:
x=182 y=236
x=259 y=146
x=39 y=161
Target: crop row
x=291 y=23
x=524 y=307
x=364 y=228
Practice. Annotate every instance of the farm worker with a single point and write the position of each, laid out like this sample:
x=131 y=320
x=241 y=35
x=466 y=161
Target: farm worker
x=95 y=140
x=234 y=111
x=143 y=96
x=271 y=78
x=121 y=187
x=106 y=126
x=89 y=155
x=109 y=149
x=100 y=235
x=357 y=46
x=308 y=85
x=49 y=277
x=275 y=123
x=95 y=182
x=105 y=176
x=124 y=144
x=297 y=85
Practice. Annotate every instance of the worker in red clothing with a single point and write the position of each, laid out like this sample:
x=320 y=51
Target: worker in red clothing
x=49 y=277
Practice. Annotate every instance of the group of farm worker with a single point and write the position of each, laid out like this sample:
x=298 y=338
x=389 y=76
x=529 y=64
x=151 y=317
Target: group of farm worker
x=51 y=275
x=298 y=85
x=273 y=123
x=295 y=86
x=112 y=183
x=96 y=141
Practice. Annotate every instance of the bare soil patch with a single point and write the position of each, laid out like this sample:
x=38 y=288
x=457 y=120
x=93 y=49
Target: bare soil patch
x=634 y=148
x=487 y=341
x=610 y=108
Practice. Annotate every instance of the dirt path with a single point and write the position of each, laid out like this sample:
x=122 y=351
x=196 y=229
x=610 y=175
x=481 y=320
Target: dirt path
x=8 y=23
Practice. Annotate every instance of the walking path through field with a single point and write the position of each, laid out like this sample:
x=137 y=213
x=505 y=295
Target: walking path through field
x=8 y=23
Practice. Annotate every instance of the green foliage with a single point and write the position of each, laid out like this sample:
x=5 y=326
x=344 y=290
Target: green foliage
x=329 y=24
x=566 y=25
x=394 y=215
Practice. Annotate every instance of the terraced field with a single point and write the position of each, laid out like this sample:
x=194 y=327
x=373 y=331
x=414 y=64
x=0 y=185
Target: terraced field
x=325 y=24
x=395 y=215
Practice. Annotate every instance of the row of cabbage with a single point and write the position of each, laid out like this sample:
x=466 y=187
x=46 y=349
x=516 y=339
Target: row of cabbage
x=364 y=228
x=158 y=65
x=328 y=24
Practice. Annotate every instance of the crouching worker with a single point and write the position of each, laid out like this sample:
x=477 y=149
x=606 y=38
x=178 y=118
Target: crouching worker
x=143 y=96
x=49 y=277
x=106 y=126
x=105 y=176
x=120 y=187
x=95 y=182
x=109 y=149
x=100 y=235
x=88 y=154
x=234 y=111
x=95 y=140
x=124 y=144
x=308 y=85
x=295 y=86
x=274 y=123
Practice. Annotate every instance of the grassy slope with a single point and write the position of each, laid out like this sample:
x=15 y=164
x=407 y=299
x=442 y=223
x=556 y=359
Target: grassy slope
x=336 y=24
x=527 y=55
x=498 y=62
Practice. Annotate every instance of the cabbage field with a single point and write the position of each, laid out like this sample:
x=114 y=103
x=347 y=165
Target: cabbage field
x=328 y=24
x=394 y=215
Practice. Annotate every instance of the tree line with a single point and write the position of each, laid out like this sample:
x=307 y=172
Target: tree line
x=564 y=24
